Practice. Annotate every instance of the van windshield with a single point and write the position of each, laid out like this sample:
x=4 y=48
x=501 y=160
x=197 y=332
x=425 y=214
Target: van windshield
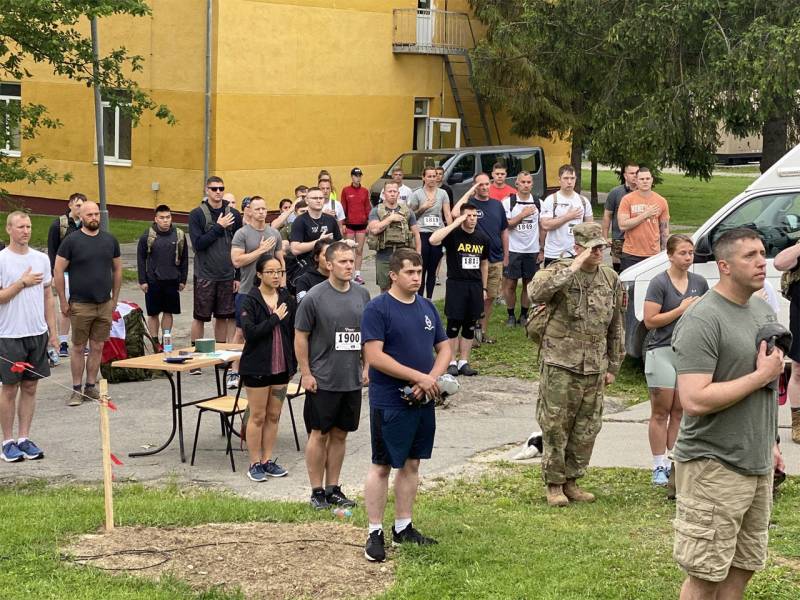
x=413 y=163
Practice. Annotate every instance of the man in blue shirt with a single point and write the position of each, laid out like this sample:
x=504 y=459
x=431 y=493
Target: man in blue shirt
x=400 y=330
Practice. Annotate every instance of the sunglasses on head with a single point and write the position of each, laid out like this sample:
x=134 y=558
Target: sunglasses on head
x=217 y=189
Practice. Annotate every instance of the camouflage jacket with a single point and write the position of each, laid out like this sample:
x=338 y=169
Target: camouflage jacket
x=585 y=332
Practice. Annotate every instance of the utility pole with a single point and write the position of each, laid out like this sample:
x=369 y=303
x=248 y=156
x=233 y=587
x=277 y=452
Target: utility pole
x=98 y=127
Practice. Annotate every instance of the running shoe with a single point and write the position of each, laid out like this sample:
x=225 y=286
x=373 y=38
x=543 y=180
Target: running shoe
x=232 y=380
x=92 y=392
x=337 y=498
x=511 y=321
x=660 y=476
x=452 y=370
x=409 y=535
x=196 y=371
x=30 y=450
x=319 y=502
x=375 y=550
x=273 y=469
x=467 y=371
x=256 y=473
x=63 y=349
x=11 y=452
x=75 y=398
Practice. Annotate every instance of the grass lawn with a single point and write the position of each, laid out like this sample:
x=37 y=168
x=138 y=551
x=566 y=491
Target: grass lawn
x=514 y=355
x=497 y=537
x=691 y=201
x=124 y=230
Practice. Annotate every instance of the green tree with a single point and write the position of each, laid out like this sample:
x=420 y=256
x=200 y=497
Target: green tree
x=51 y=32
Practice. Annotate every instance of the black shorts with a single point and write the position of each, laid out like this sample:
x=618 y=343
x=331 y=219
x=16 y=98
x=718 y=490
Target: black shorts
x=32 y=350
x=402 y=433
x=162 y=297
x=794 y=327
x=325 y=410
x=521 y=265
x=213 y=298
x=262 y=381
x=463 y=300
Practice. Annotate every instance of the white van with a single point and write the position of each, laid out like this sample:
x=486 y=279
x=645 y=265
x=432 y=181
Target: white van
x=769 y=205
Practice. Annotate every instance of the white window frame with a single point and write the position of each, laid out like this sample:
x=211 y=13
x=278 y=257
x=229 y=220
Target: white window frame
x=7 y=150
x=113 y=158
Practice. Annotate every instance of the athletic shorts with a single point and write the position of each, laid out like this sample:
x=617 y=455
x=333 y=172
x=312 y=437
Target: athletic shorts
x=90 y=321
x=659 y=368
x=628 y=260
x=162 y=297
x=213 y=298
x=794 y=327
x=32 y=350
x=494 y=280
x=402 y=433
x=354 y=228
x=521 y=265
x=262 y=381
x=325 y=410
x=722 y=519
x=463 y=300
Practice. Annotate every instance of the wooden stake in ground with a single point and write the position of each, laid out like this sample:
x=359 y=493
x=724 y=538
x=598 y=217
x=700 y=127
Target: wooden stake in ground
x=105 y=441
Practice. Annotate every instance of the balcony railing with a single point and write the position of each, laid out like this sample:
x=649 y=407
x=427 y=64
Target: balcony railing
x=420 y=31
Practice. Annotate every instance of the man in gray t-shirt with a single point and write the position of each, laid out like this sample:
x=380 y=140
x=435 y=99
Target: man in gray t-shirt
x=726 y=452
x=328 y=349
x=610 y=224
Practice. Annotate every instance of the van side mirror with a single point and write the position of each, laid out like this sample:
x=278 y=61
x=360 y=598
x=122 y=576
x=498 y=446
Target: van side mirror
x=455 y=178
x=702 y=251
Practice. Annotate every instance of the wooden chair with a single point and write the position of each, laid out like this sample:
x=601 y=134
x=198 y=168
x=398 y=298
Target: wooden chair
x=227 y=407
x=294 y=390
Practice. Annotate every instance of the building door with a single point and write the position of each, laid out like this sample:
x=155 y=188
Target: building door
x=424 y=22
x=443 y=133
x=421 y=112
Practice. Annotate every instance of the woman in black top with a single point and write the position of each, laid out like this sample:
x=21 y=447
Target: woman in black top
x=267 y=363
x=316 y=275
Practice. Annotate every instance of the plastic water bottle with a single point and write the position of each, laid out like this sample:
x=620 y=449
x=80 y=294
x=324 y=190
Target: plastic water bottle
x=167 y=343
x=341 y=513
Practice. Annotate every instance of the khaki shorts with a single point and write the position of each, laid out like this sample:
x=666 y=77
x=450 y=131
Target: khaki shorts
x=722 y=519
x=616 y=250
x=90 y=321
x=494 y=280
x=382 y=273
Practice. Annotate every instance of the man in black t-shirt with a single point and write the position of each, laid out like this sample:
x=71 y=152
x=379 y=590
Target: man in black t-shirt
x=312 y=226
x=92 y=259
x=467 y=273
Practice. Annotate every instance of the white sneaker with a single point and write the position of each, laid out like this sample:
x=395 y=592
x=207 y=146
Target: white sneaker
x=232 y=381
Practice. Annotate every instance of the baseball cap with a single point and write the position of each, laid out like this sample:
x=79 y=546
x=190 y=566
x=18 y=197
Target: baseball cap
x=246 y=202
x=589 y=235
x=356 y=171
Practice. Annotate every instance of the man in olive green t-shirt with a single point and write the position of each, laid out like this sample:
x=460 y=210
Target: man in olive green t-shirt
x=726 y=449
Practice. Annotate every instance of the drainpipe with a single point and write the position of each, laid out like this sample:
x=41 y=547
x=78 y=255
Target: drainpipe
x=98 y=126
x=207 y=120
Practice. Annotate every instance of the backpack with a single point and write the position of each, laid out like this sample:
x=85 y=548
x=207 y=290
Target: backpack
x=787 y=279
x=226 y=210
x=512 y=202
x=63 y=227
x=151 y=238
x=135 y=335
x=396 y=234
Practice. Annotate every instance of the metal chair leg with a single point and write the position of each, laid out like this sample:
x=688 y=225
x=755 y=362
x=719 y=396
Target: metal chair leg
x=196 y=434
x=294 y=425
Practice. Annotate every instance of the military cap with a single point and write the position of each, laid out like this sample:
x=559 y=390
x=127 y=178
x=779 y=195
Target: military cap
x=589 y=235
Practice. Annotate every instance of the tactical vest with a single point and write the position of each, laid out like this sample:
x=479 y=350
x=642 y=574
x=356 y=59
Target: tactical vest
x=787 y=279
x=396 y=235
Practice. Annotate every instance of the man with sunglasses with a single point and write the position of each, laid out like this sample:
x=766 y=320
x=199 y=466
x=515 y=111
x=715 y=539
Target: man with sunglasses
x=582 y=350
x=211 y=229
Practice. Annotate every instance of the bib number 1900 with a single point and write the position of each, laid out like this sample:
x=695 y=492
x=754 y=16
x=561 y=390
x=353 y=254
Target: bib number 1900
x=348 y=340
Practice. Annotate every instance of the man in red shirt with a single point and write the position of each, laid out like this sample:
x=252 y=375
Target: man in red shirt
x=356 y=205
x=499 y=189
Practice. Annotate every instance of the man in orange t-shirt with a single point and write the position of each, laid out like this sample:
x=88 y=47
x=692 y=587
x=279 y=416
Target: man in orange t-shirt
x=644 y=217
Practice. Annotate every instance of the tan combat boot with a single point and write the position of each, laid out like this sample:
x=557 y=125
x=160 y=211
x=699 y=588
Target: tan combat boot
x=555 y=495
x=796 y=426
x=576 y=494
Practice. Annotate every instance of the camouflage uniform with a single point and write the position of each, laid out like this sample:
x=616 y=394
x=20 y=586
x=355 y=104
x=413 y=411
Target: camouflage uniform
x=583 y=340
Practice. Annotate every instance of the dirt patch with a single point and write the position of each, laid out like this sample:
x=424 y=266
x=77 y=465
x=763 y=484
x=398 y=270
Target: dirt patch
x=263 y=560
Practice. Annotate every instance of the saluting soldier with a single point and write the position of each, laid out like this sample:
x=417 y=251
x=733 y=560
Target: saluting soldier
x=582 y=349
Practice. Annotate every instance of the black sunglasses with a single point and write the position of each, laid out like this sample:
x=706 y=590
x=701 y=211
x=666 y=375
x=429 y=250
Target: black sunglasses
x=217 y=189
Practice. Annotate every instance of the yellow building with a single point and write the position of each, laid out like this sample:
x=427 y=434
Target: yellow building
x=295 y=86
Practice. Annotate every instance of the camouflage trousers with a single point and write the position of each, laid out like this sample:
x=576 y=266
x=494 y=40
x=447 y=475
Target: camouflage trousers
x=570 y=412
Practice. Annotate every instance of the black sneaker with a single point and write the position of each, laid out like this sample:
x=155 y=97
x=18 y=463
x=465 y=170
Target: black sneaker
x=375 y=550
x=409 y=535
x=511 y=321
x=452 y=370
x=319 y=502
x=467 y=371
x=337 y=498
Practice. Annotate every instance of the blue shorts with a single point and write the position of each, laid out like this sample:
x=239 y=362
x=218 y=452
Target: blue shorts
x=238 y=300
x=402 y=433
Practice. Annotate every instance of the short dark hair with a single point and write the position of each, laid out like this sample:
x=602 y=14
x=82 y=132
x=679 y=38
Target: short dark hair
x=401 y=255
x=313 y=189
x=319 y=247
x=214 y=179
x=284 y=201
x=76 y=196
x=469 y=207
x=724 y=244
x=335 y=247
x=499 y=165
x=630 y=164
x=644 y=170
x=254 y=198
x=428 y=168
x=300 y=188
x=565 y=169
x=162 y=208
x=300 y=204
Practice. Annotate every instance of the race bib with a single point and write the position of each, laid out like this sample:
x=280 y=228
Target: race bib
x=348 y=339
x=525 y=226
x=470 y=262
x=430 y=221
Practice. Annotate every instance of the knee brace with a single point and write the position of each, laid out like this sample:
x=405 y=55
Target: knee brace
x=468 y=330
x=452 y=328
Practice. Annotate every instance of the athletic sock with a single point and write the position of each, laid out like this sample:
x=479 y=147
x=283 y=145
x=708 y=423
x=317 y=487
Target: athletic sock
x=658 y=460
x=375 y=527
x=63 y=338
x=329 y=489
x=22 y=439
x=7 y=441
x=461 y=363
x=510 y=311
x=77 y=388
x=401 y=524
x=89 y=385
x=358 y=273
x=523 y=312
x=317 y=491
x=453 y=363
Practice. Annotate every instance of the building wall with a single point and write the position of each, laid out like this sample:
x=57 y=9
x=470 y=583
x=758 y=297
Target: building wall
x=298 y=85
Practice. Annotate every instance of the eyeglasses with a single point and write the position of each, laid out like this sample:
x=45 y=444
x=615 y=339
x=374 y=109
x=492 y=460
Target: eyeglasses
x=273 y=273
x=217 y=189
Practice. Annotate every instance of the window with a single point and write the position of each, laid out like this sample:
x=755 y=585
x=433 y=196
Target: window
x=465 y=167
x=116 y=133
x=413 y=163
x=10 y=96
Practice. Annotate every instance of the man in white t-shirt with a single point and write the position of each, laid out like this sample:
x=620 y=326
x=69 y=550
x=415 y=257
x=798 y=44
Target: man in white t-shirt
x=525 y=242
x=330 y=206
x=27 y=325
x=404 y=190
x=560 y=213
